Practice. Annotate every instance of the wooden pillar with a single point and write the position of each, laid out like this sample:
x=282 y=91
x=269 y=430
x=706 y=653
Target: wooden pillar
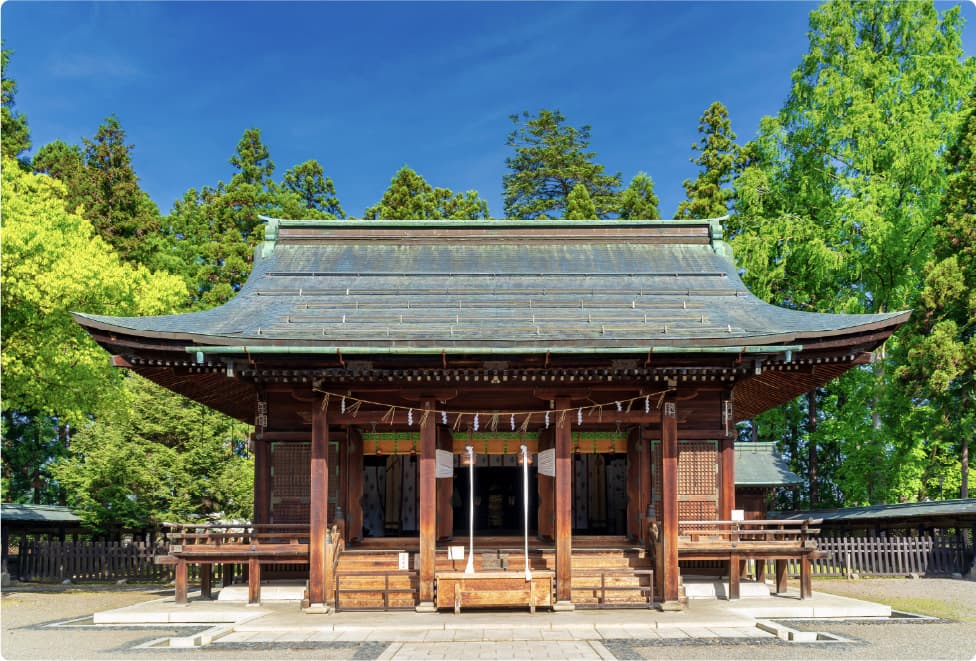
x=726 y=496
x=564 y=506
x=634 y=527
x=354 y=485
x=206 y=573
x=445 y=489
x=180 y=581
x=319 y=574
x=644 y=476
x=254 y=582
x=669 y=503
x=428 y=508
x=262 y=481
x=546 y=490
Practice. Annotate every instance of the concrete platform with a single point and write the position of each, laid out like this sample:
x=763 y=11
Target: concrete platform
x=283 y=621
x=270 y=591
x=712 y=589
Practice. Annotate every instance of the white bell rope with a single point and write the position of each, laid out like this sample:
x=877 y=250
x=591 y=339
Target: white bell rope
x=469 y=569
x=525 y=507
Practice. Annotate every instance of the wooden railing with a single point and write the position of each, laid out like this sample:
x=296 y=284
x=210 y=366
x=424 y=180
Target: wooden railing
x=647 y=591
x=735 y=542
x=88 y=561
x=255 y=544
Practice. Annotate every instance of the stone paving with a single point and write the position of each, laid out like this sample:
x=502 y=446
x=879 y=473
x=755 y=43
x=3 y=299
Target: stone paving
x=582 y=634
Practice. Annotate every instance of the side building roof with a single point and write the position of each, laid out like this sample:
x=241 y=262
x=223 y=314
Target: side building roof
x=758 y=465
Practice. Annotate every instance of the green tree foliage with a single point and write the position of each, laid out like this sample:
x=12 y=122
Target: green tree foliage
x=30 y=444
x=121 y=211
x=940 y=365
x=835 y=203
x=313 y=194
x=14 y=133
x=101 y=185
x=65 y=163
x=709 y=195
x=410 y=197
x=55 y=263
x=638 y=201
x=550 y=159
x=579 y=206
x=212 y=233
x=155 y=456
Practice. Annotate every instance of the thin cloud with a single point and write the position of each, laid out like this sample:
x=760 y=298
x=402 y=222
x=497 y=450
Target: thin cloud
x=88 y=66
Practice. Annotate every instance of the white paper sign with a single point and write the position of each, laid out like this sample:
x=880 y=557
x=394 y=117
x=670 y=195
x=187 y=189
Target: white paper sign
x=547 y=462
x=455 y=553
x=738 y=515
x=445 y=463
x=403 y=560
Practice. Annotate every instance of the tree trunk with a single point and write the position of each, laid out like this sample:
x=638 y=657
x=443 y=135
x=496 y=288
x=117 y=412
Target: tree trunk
x=964 y=489
x=812 y=447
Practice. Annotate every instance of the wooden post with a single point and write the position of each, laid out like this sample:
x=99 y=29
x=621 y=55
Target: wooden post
x=445 y=490
x=262 y=481
x=428 y=508
x=354 y=485
x=669 y=503
x=734 y=568
x=319 y=574
x=564 y=506
x=726 y=494
x=806 y=580
x=546 y=490
x=644 y=477
x=781 y=566
x=180 y=596
x=253 y=582
x=206 y=572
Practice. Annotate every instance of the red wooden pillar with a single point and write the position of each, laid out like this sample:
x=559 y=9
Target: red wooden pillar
x=319 y=574
x=354 y=485
x=428 y=508
x=445 y=489
x=262 y=481
x=726 y=499
x=564 y=506
x=669 y=503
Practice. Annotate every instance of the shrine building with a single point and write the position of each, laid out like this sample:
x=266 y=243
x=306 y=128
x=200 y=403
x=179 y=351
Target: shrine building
x=393 y=371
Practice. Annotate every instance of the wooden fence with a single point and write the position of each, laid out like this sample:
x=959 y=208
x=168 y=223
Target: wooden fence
x=89 y=561
x=938 y=555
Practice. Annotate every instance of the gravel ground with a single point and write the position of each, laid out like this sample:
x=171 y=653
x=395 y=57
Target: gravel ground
x=27 y=612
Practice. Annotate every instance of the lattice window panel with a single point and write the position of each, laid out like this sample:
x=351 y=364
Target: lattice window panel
x=290 y=511
x=697 y=510
x=698 y=484
x=291 y=481
x=290 y=470
x=697 y=468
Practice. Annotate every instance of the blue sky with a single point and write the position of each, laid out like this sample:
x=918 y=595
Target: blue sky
x=367 y=87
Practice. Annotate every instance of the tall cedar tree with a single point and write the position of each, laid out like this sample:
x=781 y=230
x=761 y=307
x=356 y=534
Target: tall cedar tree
x=122 y=212
x=65 y=163
x=550 y=159
x=308 y=193
x=638 y=201
x=410 y=197
x=718 y=158
x=579 y=206
x=940 y=369
x=834 y=211
x=14 y=133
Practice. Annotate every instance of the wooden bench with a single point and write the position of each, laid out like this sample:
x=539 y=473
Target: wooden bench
x=489 y=589
x=735 y=542
x=253 y=545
